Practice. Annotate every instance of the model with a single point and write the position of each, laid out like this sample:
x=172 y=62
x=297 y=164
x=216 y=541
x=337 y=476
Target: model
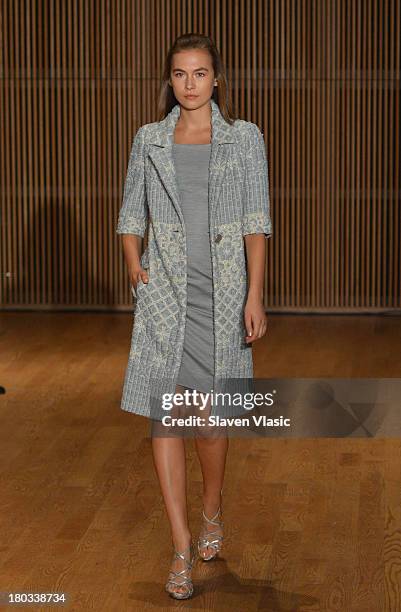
x=198 y=179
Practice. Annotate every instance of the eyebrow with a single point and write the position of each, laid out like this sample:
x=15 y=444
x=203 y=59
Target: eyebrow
x=196 y=69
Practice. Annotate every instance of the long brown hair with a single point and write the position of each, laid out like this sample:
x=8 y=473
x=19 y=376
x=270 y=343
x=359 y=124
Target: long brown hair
x=192 y=40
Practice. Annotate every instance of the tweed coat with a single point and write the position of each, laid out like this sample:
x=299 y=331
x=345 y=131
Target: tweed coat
x=238 y=205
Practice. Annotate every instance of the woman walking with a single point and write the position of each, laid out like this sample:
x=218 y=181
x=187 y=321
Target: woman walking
x=199 y=179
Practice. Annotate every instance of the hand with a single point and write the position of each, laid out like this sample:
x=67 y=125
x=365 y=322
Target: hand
x=255 y=319
x=137 y=274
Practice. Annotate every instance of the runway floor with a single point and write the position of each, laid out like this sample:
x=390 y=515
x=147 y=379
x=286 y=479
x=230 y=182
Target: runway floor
x=310 y=524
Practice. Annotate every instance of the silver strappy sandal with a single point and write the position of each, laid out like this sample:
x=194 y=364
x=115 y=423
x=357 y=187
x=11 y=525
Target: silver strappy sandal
x=184 y=580
x=210 y=539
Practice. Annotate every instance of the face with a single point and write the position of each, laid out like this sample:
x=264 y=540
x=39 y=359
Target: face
x=192 y=75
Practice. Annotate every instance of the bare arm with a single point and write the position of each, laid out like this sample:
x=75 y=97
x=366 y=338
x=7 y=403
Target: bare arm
x=132 y=247
x=254 y=312
x=255 y=245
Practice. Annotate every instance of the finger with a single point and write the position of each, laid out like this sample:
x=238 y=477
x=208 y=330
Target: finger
x=252 y=336
x=264 y=325
x=257 y=327
x=135 y=280
x=249 y=326
x=259 y=330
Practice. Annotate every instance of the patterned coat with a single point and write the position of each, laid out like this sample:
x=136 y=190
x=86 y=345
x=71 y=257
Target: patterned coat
x=238 y=205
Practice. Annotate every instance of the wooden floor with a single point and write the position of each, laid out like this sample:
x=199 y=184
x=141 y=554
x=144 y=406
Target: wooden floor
x=309 y=524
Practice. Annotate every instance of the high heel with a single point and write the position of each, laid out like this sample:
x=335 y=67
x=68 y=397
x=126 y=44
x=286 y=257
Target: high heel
x=185 y=580
x=210 y=539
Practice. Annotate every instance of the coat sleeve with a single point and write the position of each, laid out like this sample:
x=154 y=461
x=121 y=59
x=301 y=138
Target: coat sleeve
x=132 y=217
x=256 y=212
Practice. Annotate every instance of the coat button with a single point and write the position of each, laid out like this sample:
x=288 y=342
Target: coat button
x=218 y=238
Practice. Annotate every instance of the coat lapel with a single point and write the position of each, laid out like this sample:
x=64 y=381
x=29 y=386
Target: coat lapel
x=161 y=138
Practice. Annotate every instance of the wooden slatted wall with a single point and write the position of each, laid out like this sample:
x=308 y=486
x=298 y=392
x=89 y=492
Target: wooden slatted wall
x=320 y=78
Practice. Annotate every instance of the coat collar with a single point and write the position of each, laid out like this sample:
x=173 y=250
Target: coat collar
x=161 y=133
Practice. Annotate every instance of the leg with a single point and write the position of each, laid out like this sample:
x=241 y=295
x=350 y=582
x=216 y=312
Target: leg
x=212 y=446
x=170 y=464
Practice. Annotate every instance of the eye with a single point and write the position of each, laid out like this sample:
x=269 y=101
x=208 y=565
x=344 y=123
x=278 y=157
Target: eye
x=202 y=73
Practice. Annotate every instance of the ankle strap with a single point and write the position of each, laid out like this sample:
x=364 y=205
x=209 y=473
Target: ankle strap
x=213 y=520
x=181 y=554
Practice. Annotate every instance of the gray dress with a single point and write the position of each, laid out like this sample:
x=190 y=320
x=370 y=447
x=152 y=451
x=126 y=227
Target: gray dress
x=192 y=171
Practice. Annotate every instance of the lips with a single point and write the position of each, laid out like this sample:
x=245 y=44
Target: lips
x=191 y=97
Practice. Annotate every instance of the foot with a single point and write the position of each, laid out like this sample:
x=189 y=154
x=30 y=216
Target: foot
x=211 y=536
x=179 y=583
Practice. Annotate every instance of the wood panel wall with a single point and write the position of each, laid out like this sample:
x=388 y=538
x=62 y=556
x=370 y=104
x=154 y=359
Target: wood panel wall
x=320 y=77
